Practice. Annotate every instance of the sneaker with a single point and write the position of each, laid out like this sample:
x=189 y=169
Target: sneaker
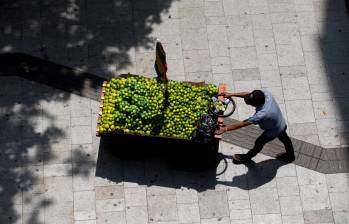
x=286 y=157
x=241 y=158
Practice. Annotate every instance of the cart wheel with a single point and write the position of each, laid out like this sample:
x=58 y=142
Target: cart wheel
x=222 y=107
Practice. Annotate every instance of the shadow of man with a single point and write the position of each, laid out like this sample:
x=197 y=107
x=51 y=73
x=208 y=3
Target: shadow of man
x=258 y=174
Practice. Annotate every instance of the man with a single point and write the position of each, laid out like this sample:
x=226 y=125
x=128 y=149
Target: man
x=269 y=118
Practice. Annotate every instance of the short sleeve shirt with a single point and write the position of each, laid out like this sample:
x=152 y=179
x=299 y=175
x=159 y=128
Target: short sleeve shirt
x=269 y=116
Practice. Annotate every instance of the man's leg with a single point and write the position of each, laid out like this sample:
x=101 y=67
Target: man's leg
x=289 y=155
x=283 y=137
x=258 y=145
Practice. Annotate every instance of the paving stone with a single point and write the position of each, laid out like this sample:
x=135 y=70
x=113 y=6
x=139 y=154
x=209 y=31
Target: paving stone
x=297 y=108
x=267 y=218
x=306 y=22
x=240 y=36
x=293 y=71
x=84 y=215
x=292 y=219
x=314 y=197
x=290 y=55
x=86 y=222
x=213 y=8
x=59 y=189
x=61 y=213
x=324 y=109
x=83 y=182
x=111 y=217
x=188 y=213
x=209 y=208
x=264 y=201
x=318 y=216
x=338 y=182
x=296 y=88
x=239 y=204
x=196 y=60
x=218 y=48
x=243 y=58
x=286 y=34
x=341 y=217
x=162 y=208
x=240 y=214
x=290 y=205
x=287 y=186
x=58 y=170
x=136 y=214
x=267 y=61
x=135 y=196
x=339 y=201
x=283 y=17
x=109 y=192
x=241 y=221
x=110 y=205
x=84 y=201
x=261 y=21
x=81 y=135
x=288 y=170
x=184 y=195
x=270 y=78
x=195 y=38
x=224 y=220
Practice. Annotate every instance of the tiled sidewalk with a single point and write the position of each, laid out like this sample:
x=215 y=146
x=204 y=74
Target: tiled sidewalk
x=53 y=169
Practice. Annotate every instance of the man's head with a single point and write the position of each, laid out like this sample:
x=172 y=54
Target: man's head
x=255 y=98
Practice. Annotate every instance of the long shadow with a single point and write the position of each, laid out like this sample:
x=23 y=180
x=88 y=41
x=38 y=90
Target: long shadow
x=333 y=43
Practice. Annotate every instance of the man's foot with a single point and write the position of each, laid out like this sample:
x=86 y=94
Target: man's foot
x=241 y=158
x=286 y=157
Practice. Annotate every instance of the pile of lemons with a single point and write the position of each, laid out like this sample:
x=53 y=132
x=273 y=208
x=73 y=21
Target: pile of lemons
x=139 y=105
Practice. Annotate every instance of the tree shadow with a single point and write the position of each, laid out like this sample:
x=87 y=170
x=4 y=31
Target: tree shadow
x=99 y=37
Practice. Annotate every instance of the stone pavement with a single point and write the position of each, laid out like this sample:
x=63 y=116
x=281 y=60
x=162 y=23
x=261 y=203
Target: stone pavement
x=53 y=169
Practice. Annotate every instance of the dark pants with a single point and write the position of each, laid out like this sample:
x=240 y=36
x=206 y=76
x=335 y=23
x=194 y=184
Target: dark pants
x=263 y=139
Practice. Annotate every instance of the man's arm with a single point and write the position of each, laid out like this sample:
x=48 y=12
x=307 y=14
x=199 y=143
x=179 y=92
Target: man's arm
x=238 y=125
x=240 y=94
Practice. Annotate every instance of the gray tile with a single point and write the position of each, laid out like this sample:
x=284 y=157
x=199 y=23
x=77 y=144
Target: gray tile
x=85 y=215
x=340 y=201
x=110 y=205
x=267 y=218
x=246 y=74
x=341 y=217
x=109 y=192
x=58 y=170
x=290 y=55
x=111 y=218
x=264 y=201
x=318 y=216
x=292 y=219
x=185 y=195
x=135 y=196
x=81 y=135
x=188 y=213
x=136 y=214
x=209 y=208
x=196 y=60
x=291 y=205
x=61 y=213
x=296 y=88
x=243 y=58
x=314 y=197
x=84 y=201
x=300 y=111
x=162 y=208
x=59 y=189
x=195 y=39
x=338 y=182
x=293 y=71
x=287 y=186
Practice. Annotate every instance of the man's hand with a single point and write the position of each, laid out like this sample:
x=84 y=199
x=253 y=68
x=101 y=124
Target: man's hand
x=221 y=130
x=226 y=94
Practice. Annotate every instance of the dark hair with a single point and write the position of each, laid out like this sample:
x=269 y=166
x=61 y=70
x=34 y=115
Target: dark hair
x=256 y=98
